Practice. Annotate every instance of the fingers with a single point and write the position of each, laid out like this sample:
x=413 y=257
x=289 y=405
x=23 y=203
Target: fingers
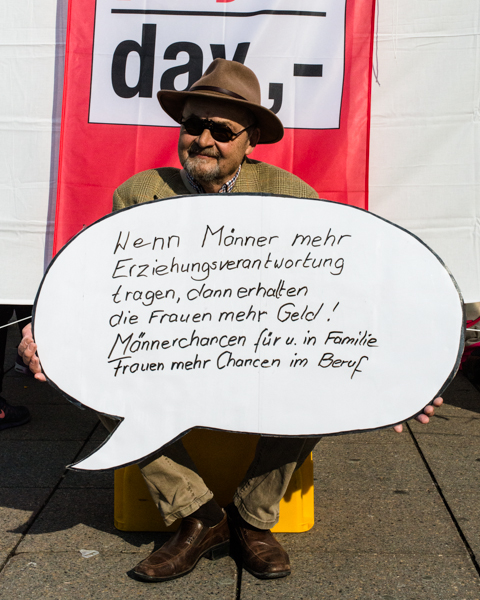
x=34 y=364
x=31 y=359
x=422 y=418
x=28 y=351
x=429 y=410
x=27 y=330
x=26 y=340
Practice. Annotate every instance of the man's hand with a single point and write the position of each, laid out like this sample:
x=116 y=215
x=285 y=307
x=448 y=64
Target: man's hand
x=27 y=350
x=424 y=417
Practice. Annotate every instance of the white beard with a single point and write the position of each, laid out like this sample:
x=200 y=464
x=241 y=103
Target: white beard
x=193 y=168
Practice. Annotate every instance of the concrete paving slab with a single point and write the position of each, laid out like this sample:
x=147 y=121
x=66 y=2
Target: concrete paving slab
x=54 y=422
x=339 y=465
x=381 y=532
x=83 y=518
x=454 y=466
x=382 y=520
x=17 y=506
x=452 y=425
x=462 y=393
x=450 y=410
x=68 y=576
x=4 y=555
x=380 y=436
x=24 y=390
x=34 y=464
x=345 y=576
x=465 y=506
x=458 y=420
x=9 y=540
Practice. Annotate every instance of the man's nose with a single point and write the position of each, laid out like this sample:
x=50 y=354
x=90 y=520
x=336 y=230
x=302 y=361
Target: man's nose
x=205 y=139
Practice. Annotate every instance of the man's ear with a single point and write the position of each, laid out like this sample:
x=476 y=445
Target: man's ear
x=253 y=141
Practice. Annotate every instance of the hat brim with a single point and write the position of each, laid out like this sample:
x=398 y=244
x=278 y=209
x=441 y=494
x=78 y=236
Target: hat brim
x=271 y=128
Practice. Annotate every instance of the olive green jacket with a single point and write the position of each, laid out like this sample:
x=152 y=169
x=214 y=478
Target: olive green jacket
x=255 y=177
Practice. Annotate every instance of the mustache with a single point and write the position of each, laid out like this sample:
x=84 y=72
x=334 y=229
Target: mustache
x=195 y=149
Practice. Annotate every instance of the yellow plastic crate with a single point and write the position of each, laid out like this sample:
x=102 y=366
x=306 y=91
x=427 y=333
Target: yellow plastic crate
x=222 y=460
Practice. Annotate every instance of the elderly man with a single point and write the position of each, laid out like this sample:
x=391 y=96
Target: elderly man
x=221 y=120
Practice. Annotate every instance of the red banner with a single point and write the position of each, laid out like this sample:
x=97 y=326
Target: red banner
x=314 y=67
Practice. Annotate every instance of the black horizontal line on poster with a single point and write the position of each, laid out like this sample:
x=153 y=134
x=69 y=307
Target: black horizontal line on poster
x=307 y=70
x=206 y=13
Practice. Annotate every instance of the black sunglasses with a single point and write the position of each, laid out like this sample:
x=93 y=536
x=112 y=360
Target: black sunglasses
x=220 y=133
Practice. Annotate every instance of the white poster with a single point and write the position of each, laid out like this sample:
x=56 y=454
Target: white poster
x=297 y=51
x=261 y=314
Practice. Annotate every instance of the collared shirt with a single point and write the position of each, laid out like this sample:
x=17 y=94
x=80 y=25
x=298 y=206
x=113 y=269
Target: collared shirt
x=225 y=189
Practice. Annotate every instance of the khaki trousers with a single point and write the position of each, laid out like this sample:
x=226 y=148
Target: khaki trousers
x=178 y=490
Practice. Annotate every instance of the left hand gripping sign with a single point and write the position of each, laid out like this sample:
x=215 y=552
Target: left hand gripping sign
x=259 y=314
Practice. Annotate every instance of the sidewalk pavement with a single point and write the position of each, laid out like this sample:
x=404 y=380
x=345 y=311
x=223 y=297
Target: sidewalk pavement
x=397 y=516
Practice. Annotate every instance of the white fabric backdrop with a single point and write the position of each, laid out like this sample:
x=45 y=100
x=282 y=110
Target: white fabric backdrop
x=425 y=143
x=32 y=34
x=425 y=131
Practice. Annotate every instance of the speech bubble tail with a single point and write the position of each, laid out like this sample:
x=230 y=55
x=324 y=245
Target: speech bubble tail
x=118 y=451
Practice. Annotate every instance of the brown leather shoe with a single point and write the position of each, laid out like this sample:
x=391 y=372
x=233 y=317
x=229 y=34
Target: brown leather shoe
x=183 y=550
x=262 y=555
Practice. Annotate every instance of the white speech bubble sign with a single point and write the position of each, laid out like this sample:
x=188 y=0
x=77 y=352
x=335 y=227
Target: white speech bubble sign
x=251 y=313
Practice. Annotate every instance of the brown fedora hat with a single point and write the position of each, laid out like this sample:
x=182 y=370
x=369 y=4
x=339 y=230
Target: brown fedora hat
x=232 y=82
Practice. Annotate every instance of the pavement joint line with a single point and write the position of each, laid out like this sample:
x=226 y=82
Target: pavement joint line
x=35 y=516
x=444 y=500
x=239 y=566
